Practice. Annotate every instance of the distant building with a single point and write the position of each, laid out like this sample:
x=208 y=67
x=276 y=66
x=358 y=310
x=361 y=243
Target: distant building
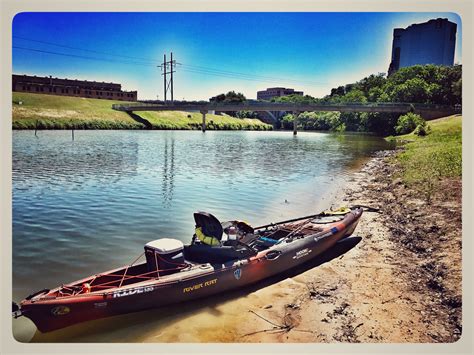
x=431 y=42
x=68 y=87
x=274 y=92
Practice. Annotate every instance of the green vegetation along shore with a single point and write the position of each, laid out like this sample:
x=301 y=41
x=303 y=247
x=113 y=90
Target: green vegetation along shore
x=63 y=112
x=421 y=84
x=427 y=162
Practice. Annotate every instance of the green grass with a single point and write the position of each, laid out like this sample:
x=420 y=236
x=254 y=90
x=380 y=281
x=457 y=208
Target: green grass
x=428 y=160
x=192 y=120
x=63 y=112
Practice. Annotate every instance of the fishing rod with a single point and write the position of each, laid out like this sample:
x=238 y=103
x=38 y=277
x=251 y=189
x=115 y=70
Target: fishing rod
x=321 y=214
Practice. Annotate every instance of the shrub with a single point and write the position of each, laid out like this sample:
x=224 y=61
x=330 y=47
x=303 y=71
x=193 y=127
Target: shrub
x=407 y=123
x=422 y=129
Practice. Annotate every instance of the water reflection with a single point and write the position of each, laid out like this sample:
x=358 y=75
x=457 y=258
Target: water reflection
x=168 y=173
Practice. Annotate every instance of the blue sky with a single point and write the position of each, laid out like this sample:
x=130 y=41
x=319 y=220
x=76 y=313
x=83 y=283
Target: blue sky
x=313 y=52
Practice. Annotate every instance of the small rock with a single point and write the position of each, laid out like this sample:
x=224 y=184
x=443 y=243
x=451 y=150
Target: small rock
x=268 y=306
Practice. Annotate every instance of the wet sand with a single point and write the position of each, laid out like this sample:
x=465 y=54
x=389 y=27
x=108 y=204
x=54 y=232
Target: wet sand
x=399 y=282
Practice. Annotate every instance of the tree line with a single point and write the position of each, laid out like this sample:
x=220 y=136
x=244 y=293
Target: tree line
x=424 y=84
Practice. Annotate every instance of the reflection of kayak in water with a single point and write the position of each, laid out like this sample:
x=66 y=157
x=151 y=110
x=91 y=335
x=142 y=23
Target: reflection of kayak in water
x=220 y=257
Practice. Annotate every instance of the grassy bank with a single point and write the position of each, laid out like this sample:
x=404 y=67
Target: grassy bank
x=62 y=112
x=192 y=120
x=427 y=162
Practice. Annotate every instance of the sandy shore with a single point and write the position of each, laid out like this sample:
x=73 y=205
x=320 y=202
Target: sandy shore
x=399 y=282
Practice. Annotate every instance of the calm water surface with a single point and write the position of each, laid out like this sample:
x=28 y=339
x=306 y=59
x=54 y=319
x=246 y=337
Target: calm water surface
x=89 y=205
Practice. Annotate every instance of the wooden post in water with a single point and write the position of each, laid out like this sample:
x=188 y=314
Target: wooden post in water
x=295 y=122
x=72 y=132
x=203 y=127
x=36 y=128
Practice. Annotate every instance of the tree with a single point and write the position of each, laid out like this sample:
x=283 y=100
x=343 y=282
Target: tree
x=231 y=96
x=218 y=98
x=456 y=89
x=414 y=90
x=246 y=114
x=339 y=91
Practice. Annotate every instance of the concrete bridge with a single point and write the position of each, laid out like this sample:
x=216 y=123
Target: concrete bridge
x=427 y=111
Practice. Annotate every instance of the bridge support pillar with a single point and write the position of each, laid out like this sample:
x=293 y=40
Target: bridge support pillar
x=295 y=122
x=203 y=126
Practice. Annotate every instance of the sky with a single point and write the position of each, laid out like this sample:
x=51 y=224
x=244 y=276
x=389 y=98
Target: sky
x=217 y=52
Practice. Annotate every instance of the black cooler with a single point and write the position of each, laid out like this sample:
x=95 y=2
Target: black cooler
x=164 y=255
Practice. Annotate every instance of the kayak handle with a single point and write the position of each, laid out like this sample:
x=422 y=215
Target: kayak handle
x=16 y=311
x=273 y=255
x=44 y=291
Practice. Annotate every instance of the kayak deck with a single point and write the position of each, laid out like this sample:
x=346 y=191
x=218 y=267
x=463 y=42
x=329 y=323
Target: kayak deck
x=136 y=273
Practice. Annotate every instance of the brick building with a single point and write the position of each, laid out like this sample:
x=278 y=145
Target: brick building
x=69 y=87
x=273 y=92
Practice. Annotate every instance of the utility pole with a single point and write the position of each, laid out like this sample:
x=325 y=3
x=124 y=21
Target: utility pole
x=168 y=84
x=171 y=61
x=164 y=75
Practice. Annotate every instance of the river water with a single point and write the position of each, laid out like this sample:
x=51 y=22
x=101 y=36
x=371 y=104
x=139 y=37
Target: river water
x=89 y=205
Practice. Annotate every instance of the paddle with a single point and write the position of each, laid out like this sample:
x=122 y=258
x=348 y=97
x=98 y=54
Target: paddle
x=321 y=214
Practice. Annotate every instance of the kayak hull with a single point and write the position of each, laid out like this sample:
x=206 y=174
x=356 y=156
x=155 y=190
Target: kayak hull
x=51 y=313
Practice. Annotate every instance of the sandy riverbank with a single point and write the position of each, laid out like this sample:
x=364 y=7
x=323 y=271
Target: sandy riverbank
x=399 y=282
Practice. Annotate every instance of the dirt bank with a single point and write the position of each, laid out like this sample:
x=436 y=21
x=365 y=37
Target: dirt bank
x=401 y=283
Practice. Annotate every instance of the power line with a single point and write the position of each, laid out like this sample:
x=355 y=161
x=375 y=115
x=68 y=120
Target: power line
x=232 y=76
x=81 y=56
x=220 y=71
x=84 y=49
x=186 y=67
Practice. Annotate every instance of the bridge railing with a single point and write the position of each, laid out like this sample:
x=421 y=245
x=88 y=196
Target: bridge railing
x=277 y=105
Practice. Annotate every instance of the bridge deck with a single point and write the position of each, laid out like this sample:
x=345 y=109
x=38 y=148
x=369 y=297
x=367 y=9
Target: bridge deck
x=272 y=106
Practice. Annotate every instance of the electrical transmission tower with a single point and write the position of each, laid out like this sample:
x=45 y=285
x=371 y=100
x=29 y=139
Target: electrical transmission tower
x=167 y=67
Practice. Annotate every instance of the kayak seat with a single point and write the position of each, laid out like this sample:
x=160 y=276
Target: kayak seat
x=202 y=253
x=208 y=228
